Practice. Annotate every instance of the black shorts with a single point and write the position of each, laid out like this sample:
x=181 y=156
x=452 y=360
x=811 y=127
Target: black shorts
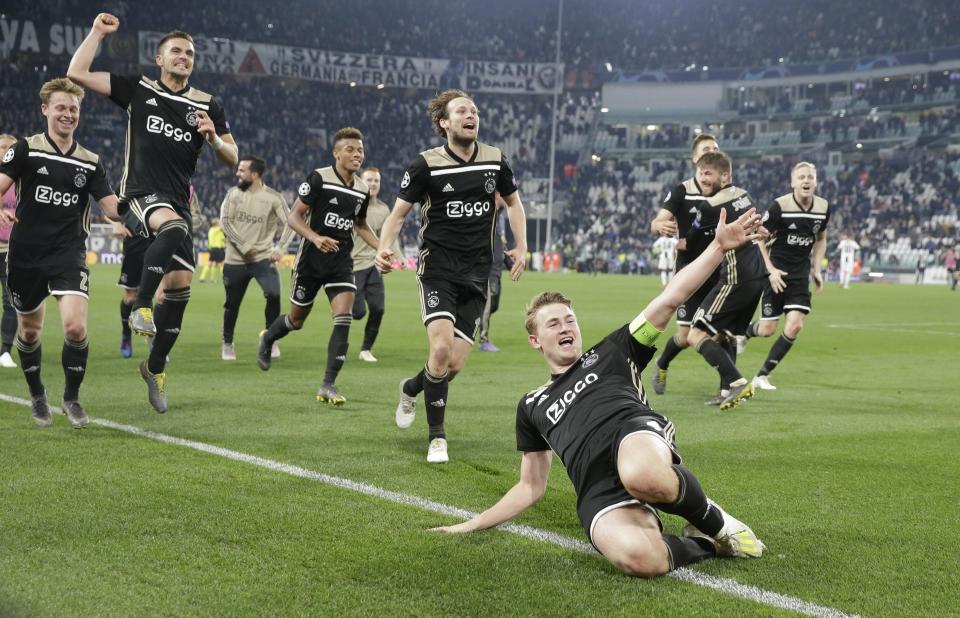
x=688 y=308
x=794 y=297
x=217 y=254
x=141 y=207
x=334 y=278
x=132 y=267
x=459 y=300
x=29 y=287
x=729 y=308
x=602 y=491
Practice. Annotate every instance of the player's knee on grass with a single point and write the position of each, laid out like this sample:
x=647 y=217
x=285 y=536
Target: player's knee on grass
x=642 y=555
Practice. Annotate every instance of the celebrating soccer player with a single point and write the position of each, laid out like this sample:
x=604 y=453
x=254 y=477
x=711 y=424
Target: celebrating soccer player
x=455 y=185
x=332 y=202
x=797 y=223
x=619 y=454
x=169 y=122
x=55 y=177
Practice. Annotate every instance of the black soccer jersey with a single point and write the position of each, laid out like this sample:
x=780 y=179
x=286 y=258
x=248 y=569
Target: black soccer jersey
x=163 y=144
x=334 y=208
x=793 y=231
x=578 y=412
x=682 y=202
x=744 y=264
x=457 y=209
x=53 y=200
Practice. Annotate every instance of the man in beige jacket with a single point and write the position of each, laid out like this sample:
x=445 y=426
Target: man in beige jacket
x=250 y=215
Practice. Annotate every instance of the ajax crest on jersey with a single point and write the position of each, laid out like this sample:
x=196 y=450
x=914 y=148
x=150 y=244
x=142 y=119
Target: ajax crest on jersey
x=80 y=180
x=490 y=185
x=432 y=300
x=192 y=119
x=590 y=360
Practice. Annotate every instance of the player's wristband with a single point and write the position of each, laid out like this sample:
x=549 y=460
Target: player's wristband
x=217 y=143
x=644 y=332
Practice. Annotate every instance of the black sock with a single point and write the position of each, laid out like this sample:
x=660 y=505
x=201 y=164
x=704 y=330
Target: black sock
x=778 y=350
x=414 y=386
x=30 y=364
x=337 y=346
x=280 y=328
x=372 y=329
x=688 y=550
x=157 y=258
x=753 y=330
x=125 y=309
x=435 y=398
x=670 y=351
x=168 y=318
x=74 y=360
x=692 y=504
x=729 y=346
x=719 y=360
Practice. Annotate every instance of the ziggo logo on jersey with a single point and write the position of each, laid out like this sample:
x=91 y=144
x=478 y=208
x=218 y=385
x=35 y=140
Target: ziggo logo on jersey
x=457 y=210
x=156 y=124
x=337 y=222
x=46 y=195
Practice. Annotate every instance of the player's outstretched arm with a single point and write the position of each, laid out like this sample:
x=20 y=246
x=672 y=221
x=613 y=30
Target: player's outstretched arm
x=388 y=235
x=518 y=227
x=79 y=72
x=692 y=276
x=534 y=472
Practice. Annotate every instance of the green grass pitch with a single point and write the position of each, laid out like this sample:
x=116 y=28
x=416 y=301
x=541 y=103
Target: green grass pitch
x=849 y=472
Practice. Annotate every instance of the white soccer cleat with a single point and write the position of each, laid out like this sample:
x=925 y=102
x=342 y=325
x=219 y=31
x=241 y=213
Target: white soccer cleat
x=227 y=352
x=437 y=453
x=6 y=361
x=367 y=356
x=741 y=344
x=275 y=350
x=763 y=383
x=406 y=409
x=736 y=539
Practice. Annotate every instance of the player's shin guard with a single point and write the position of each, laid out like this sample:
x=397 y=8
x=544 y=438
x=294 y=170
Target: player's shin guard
x=729 y=346
x=30 y=364
x=125 y=309
x=670 y=351
x=692 y=504
x=778 y=350
x=688 y=550
x=435 y=395
x=279 y=329
x=711 y=351
x=414 y=386
x=158 y=257
x=74 y=360
x=337 y=346
x=168 y=317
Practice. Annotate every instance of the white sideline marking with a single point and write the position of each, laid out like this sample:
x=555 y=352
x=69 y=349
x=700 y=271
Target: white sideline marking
x=721 y=584
x=889 y=329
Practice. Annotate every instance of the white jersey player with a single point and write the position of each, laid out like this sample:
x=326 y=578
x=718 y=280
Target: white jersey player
x=848 y=250
x=666 y=249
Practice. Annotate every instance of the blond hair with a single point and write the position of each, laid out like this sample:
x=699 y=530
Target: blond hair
x=61 y=84
x=804 y=164
x=538 y=302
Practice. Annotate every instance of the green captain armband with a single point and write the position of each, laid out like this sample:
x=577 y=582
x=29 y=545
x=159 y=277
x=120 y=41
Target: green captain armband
x=644 y=332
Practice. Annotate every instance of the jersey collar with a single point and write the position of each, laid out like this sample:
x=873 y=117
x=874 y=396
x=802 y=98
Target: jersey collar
x=175 y=92
x=73 y=146
x=473 y=157
x=340 y=178
x=799 y=205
